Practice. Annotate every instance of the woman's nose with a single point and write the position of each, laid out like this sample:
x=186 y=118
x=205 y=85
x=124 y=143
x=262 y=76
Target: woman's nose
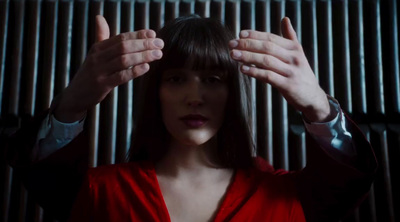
x=195 y=95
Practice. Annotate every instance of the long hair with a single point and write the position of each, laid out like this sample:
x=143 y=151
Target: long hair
x=203 y=44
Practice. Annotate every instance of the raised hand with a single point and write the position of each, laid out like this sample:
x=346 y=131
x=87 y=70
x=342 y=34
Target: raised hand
x=281 y=62
x=109 y=63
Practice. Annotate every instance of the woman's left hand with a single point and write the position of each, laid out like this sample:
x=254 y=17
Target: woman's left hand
x=281 y=62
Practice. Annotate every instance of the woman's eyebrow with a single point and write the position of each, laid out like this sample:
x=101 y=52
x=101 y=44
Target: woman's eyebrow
x=171 y=72
x=216 y=72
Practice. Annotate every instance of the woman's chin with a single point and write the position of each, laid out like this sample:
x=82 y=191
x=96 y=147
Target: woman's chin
x=194 y=139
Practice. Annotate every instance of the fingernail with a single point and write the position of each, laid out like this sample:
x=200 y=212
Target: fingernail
x=233 y=43
x=237 y=54
x=245 y=68
x=157 y=53
x=244 y=34
x=290 y=22
x=144 y=66
x=159 y=43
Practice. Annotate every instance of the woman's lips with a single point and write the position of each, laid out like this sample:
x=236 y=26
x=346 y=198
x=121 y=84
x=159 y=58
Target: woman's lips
x=194 y=121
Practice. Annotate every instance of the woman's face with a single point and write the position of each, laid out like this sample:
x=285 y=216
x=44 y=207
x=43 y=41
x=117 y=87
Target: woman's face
x=193 y=104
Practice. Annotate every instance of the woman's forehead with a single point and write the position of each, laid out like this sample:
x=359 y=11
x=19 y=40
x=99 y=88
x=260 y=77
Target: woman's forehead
x=201 y=72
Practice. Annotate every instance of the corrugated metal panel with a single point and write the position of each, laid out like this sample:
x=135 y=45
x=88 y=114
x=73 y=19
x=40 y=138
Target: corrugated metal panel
x=352 y=46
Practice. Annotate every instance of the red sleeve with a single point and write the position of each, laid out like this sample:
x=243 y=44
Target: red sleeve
x=83 y=209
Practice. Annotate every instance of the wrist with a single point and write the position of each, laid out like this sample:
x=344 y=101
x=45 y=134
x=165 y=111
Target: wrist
x=66 y=111
x=68 y=117
x=319 y=113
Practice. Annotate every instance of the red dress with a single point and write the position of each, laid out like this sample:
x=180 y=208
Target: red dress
x=130 y=192
x=327 y=188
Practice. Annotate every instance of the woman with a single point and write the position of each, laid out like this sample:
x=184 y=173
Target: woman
x=191 y=156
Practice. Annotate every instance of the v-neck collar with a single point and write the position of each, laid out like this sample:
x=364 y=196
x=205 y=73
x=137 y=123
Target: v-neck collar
x=232 y=197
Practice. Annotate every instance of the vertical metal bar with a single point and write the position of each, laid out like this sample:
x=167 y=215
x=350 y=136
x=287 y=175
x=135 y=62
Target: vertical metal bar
x=13 y=91
x=22 y=203
x=202 y=8
x=127 y=16
x=367 y=210
x=29 y=76
x=16 y=63
x=93 y=118
x=171 y=10
x=232 y=16
x=33 y=13
x=142 y=14
x=4 y=8
x=48 y=58
x=141 y=22
x=3 y=40
x=394 y=153
x=341 y=57
x=247 y=21
x=156 y=14
x=217 y=10
x=383 y=186
x=297 y=144
x=79 y=37
x=325 y=46
x=293 y=11
x=186 y=7
x=309 y=33
x=394 y=73
x=125 y=91
x=281 y=152
x=356 y=36
x=297 y=135
x=63 y=46
x=373 y=59
x=108 y=107
x=8 y=173
x=264 y=91
x=38 y=214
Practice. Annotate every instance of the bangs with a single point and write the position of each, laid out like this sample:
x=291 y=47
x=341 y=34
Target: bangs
x=197 y=44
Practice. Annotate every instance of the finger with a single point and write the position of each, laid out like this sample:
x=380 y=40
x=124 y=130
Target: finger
x=126 y=75
x=262 y=61
x=130 y=46
x=262 y=46
x=267 y=76
x=141 y=34
x=288 y=30
x=102 y=29
x=252 y=34
x=128 y=60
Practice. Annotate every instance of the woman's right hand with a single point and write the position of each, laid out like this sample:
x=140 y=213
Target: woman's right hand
x=109 y=63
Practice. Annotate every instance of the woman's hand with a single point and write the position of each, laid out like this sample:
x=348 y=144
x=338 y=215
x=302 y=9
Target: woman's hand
x=281 y=62
x=109 y=63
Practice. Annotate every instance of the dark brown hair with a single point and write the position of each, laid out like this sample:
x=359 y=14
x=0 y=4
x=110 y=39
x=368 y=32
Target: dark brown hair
x=203 y=44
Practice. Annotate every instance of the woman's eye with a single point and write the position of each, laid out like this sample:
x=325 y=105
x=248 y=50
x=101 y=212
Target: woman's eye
x=212 y=79
x=175 y=79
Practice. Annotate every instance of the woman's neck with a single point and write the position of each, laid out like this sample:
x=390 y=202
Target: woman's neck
x=185 y=160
